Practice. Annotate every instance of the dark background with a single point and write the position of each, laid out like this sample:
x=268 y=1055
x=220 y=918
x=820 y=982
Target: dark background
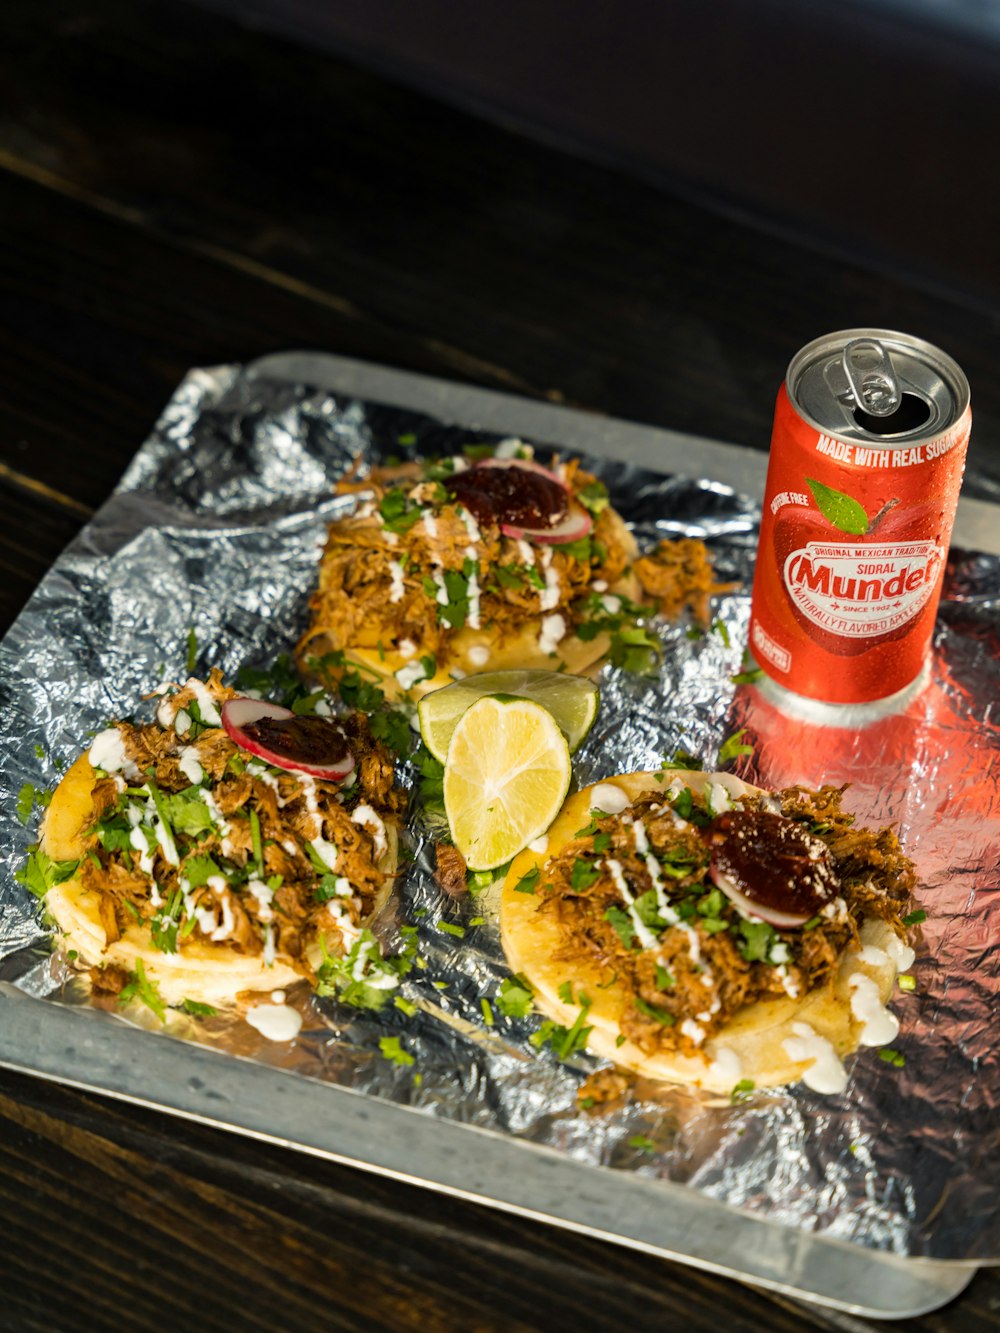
x=642 y=218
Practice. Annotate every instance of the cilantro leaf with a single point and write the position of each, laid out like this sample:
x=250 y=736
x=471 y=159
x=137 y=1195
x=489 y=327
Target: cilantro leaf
x=40 y=873
x=732 y=747
x=140 y=988
x=623 y=926
x=392 y=1050
x=529 y=882
x=515 y=998
x=583 y=874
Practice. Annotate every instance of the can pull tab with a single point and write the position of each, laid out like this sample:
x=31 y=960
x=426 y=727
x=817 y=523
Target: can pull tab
x=873 y=382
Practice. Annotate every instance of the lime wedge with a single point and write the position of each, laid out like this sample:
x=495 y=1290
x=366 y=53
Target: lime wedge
x=572 y=701
x=506 y=776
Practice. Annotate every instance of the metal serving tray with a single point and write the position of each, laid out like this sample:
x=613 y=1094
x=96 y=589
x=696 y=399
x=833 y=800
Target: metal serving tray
x=99 y=1052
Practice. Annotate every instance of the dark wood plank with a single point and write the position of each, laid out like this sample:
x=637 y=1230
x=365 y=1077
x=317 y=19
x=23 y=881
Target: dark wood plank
x=499 y=256
x=175 y=1223
x=35 y=525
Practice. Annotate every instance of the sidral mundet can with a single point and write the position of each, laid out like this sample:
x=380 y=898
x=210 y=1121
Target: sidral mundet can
x=867 y=454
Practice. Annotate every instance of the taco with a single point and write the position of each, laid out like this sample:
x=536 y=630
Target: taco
x=702 y=931
x=453 y=567
x=226 y=846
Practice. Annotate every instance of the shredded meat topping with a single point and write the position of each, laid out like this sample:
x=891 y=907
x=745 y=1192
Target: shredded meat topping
x=683 y=955
x=249 y=857
x=397 y=571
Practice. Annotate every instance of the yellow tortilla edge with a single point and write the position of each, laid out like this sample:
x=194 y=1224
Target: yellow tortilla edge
x=531 y=941
x=206 y=972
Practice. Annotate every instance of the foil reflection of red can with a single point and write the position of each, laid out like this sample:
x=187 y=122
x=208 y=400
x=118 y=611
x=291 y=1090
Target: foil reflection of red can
x=867 y=454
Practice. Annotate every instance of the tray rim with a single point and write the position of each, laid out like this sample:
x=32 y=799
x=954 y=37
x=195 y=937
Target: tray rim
x=98 y=1052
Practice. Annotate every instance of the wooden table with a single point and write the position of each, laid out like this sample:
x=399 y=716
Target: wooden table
x=176 y=191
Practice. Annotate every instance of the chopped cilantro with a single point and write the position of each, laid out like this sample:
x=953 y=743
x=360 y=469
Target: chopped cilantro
x=732 y=747
x=198 y=1009
x=140 y=988
x=915 y=918
x=892 y=1057
x=392 y=726
x=26 y=802
x=319 y=865
x=564 y=1042
x=719 y=627
x=664 y=980
x=647 y=907
x=602 y=841
x=758 y=938
x=187 y=813
x=681 y=758
x=641 y=1143
x=594 y=496
x=256 y=841
x=450 y=928
x=748 y=677
x=40 y=873
x=392 y=1049
x=487 y=1009
x=711 y=903
x=163 y=926
x=583 y=874
x=634 y=650
x=430 y=778
x=683 y=802
x=623 y=926
x=199 y=870
x=306 y=705
x=363 y=977
x=661 y=1016
x=515 y=999
x=405 y=1006
x=582 y=549
x=741 y=1091
x=812 y=923
x=566 y=992
x=325 y=889
x=397 y=512
x=192 y=651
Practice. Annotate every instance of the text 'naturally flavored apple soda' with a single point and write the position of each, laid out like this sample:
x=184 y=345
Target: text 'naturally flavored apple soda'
x=867 y=454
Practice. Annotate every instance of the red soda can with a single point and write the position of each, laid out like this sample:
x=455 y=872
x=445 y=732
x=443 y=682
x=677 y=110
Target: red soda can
x=868 y=449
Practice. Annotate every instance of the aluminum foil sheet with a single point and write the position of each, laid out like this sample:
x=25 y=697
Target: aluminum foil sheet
x=217 y=525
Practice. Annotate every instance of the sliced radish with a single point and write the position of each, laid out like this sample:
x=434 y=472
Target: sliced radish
x=526 y=464
x=313 y=745
x=575 y=525
x=750 y=907
x=771 y=867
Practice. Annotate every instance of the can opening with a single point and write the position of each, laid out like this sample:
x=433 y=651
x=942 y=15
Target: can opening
x=911 y=413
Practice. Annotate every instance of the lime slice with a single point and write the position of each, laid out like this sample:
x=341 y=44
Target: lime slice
x=572 y=701
x=506 y=776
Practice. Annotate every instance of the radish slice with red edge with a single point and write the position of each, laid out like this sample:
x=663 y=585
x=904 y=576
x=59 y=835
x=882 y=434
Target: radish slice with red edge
x=527 y=464
x=749 y=907
x=575 y=525
x=313 y=745
x=771 y=867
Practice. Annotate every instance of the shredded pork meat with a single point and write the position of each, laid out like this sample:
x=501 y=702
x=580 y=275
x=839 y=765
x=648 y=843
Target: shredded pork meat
x=182 y=857
x=683 y=980
x=408 y=570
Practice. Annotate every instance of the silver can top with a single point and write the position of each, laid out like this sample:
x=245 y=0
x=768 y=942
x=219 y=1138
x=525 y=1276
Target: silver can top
x=873 y=385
